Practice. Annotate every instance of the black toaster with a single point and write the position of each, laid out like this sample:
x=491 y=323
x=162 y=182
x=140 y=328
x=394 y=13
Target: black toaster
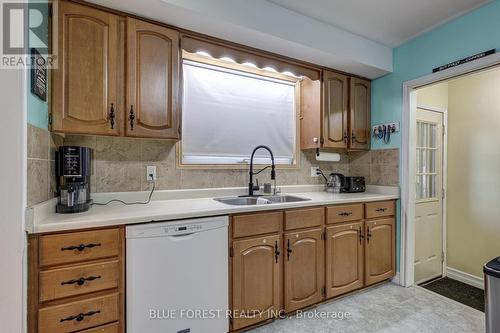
x=354 y=184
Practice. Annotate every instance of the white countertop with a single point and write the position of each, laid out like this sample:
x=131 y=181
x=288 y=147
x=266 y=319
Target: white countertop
x=174 y=205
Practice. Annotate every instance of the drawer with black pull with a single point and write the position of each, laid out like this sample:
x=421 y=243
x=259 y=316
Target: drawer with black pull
x=380 y=208
x=78 y=246
x=77 y=280
x=344 y=213
x=79 y=315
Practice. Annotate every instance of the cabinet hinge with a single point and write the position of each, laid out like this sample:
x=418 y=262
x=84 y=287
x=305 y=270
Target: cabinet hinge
x=443 y=193
x=442 y=257
x=231 y=252
x=444 y=129
x=50 y=118
x=323 y=235
x=322 y=140
x=323 y=290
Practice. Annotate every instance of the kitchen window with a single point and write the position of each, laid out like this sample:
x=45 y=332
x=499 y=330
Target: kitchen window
x=227 y=111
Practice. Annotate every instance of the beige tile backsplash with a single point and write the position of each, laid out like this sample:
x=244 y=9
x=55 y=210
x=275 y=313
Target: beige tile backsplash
x=379 y=167
x=41 y=166
x=119 y=164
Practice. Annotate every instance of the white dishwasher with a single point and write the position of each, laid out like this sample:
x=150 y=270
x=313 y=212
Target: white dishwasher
x=177 y=276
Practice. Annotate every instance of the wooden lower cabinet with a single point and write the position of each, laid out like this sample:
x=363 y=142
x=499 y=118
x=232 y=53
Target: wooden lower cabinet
x=304 y=268
x=76 y=281
x=344 y=258
x=256 y=280
x=380 y=250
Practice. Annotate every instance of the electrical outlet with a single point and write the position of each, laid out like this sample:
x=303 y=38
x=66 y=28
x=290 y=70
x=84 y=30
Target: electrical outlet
x=314 y=171
x=150 y=172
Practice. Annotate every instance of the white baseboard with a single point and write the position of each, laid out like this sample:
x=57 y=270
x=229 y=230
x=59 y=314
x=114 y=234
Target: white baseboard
x=395 y=279
x=467 y=278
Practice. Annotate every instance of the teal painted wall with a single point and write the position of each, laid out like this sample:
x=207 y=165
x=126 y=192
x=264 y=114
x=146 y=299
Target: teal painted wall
x=475 y=32
x=467 y=35
x=38 y=110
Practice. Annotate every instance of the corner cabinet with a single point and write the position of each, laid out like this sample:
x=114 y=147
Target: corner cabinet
x=335 y=113
x=96 y=92
x=86 y=96
x=152 y=81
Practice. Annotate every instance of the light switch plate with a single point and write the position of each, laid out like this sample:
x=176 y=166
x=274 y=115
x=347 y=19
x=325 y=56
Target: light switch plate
x=151 y=172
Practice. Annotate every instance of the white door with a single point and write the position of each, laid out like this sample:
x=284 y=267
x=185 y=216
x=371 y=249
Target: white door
x=429 y=196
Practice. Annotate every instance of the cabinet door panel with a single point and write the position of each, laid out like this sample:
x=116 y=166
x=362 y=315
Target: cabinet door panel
x=153 y=78
x=344 y=258
x=304 y=269
x=256 y=279
x=360 y=99
x=85 y=93
x=379 y=250
x=310 y=117
x=335 y=88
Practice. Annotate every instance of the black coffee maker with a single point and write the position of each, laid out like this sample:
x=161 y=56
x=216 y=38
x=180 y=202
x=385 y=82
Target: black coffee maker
x=73 y=170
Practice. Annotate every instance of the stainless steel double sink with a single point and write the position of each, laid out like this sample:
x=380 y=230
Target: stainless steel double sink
x=260 y=200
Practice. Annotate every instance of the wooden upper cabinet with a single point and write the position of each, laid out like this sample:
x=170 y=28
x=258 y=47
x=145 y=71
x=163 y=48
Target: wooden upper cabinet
x=85 y=89
x=344 y=258
x=304 y=268
x=256 y=279
x=335 y=113
x=360 y=99
x=310 y=114
x=380 y=250
x=152 y=81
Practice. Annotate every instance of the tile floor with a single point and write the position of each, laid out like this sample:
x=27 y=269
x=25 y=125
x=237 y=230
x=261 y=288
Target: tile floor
x=387 y=308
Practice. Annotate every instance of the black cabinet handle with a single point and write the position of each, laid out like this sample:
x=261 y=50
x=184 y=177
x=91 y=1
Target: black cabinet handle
x=381 y=209
x=112 y=116
x=81 y=281
x=131 y=117
x=345 y=214
x=361 y=236
x=80 y=247
x=368 y=234
x=288 y=250
x=276 y=251
x=80 y=316
x=354 y=139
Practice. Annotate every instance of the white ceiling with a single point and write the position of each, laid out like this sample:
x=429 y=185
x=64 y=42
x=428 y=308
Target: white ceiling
x=390 y=22
x=355 y=36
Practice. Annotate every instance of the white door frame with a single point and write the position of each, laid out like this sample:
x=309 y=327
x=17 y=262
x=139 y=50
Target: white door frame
x=408 y=129
x=444 y=175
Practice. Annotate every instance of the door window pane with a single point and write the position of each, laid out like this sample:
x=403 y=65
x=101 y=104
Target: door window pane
x=432 y=135
x=426 y=161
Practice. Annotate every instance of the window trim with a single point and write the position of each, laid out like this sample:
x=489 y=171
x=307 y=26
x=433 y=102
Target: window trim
x=235 y=66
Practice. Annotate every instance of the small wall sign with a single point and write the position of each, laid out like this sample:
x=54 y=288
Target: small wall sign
x=38 y=75
x=464 y=60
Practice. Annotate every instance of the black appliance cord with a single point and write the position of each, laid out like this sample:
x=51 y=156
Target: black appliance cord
x=129 y=203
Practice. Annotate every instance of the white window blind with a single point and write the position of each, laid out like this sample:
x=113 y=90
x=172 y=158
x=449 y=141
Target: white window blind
x=227 y=113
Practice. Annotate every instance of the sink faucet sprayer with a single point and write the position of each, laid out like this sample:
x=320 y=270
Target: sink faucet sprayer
x=251 y=186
